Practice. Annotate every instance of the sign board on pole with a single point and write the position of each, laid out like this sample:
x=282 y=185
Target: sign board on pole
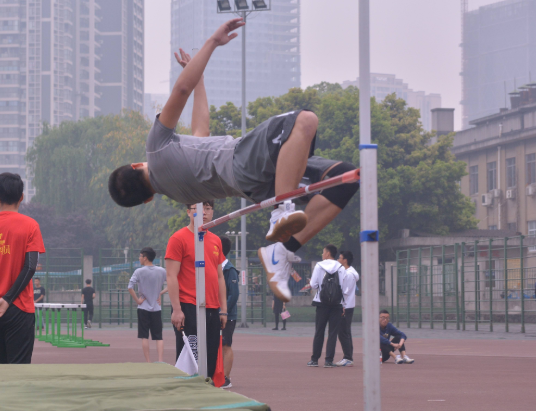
x=243 y=273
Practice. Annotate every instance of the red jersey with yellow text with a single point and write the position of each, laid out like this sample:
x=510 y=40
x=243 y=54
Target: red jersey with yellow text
x=181 y=248
x=19 y=234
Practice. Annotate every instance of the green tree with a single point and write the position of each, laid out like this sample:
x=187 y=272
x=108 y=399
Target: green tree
x=71 y=164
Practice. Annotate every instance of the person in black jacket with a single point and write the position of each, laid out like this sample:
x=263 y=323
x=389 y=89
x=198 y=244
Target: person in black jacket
x=278 y=307
x=231 y=284
x=388 y=346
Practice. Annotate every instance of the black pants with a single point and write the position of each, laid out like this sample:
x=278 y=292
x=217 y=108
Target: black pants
x=88 y=312
x=17 y=334
x=386 y=349
x=345 y=334
x=277 y=321
x=190 y=328
x=324 y=315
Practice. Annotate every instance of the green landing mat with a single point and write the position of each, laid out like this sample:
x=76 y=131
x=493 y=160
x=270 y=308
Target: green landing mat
x=117 y=387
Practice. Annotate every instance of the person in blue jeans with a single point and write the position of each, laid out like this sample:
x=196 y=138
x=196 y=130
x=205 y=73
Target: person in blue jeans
x=231 y=284
x=388 y=346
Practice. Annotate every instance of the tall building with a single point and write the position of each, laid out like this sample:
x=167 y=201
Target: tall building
x=500 y=153
x=272 y=50
x=52 y=59
x=498 y=54
x=381 y=85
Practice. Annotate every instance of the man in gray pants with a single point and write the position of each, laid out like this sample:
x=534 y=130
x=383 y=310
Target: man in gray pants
x=150 y=280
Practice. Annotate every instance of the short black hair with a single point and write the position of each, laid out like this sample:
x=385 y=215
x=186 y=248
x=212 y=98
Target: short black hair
x=37 y=278
x=348 y=256
x=225 y=244
x=88 y=281
x=127 y=186
x=149 y=253
x=205 y=203
x=331 y=249
x=384 y=312
x=11 y=188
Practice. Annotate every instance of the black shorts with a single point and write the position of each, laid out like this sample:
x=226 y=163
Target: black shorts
x=227 y=333
x=149 y=320
x=17 y=334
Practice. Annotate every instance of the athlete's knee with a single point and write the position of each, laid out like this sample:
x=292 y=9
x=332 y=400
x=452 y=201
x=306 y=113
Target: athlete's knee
x=308 y=122
x=342 y=194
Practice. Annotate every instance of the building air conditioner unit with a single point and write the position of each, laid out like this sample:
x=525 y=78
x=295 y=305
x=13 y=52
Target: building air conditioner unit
x=496 y=193
x=487 y=200
x=510 y=194
x=531 y=189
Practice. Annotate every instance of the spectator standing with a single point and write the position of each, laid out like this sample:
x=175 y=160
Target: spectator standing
x=39 y=297
x=345 y=331
x=88 y=294
x=278 y=307
x=150 y=280
x=230 y=275
x=20 y=245
x=180 y=270
x=328 y=279
x=388 y=346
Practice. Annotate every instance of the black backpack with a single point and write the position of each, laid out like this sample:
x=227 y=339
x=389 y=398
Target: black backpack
x=331 y=292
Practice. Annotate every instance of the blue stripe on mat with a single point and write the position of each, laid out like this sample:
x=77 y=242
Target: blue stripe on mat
x=187 y=377
x=236 y=405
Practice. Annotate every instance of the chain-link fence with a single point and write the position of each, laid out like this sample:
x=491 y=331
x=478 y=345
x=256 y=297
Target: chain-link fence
x=473 y=285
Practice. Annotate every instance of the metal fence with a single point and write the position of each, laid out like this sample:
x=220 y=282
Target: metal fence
x=472 y=285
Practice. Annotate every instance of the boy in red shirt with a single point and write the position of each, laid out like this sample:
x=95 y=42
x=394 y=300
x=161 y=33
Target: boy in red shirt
x=20 y=245
x=180 y=273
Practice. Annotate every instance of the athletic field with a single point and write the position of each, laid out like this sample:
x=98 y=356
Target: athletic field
x=453 y=370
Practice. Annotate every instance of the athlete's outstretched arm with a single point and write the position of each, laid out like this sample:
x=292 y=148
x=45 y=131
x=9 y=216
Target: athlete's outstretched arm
x=192 y=73
x=200 y=112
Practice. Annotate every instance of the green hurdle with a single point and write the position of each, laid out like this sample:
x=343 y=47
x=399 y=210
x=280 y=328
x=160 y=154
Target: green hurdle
x=53 y=326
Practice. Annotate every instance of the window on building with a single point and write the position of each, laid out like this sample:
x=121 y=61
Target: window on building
x=473 y=180
x=530 y=160
x=512 y=226
x=492 y=227
x=510 y=172
x=531 y=232
x=492 y=175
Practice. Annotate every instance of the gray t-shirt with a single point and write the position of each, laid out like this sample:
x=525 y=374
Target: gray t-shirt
x=150 y=280
x=191 y=169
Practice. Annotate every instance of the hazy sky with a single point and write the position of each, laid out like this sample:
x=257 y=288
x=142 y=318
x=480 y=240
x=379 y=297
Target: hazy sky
x=417 y=40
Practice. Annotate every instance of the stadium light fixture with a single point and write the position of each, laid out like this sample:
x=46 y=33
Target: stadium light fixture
x=224 y=5
x=241 y=5
x=259 y=4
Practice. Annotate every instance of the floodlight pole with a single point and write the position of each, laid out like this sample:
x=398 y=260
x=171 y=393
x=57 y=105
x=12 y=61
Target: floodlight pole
x=369 y=223
x=200 y=291
x=243 y=268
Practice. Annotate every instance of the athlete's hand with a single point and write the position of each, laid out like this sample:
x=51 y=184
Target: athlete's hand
x=223 y=321
x=177 y=319
x=3 y=306
x=223 y=34
x=183 y=59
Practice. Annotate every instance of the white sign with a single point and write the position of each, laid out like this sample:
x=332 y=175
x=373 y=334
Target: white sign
x=243 y=278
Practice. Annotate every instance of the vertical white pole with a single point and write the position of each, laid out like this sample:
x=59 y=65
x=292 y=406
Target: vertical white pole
x=243 y=267
x=200 y=292
x=369 y=223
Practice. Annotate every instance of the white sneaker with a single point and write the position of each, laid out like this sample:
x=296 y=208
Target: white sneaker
x=285 y=222
x=399 y=360
x=88 y=323
x=408 y=360
x=345 y=363
x=277 y=262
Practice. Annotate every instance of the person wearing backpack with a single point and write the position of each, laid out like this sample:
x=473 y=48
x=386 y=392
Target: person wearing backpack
x=328 y=279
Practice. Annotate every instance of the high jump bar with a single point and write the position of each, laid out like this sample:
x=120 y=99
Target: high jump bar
x=348 y=177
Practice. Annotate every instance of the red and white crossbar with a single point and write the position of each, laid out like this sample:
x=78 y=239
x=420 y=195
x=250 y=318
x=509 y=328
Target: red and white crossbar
x=348 y=177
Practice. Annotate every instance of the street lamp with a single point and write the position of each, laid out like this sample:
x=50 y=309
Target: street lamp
x=242 y=9
x=224 y=5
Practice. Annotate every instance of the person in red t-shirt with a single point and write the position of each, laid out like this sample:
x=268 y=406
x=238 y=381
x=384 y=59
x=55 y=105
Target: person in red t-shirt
x=180 y=272
x=20 y=245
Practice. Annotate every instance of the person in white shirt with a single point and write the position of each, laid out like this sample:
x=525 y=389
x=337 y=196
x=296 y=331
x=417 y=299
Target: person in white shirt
x=328 y=279
x=345 y=329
